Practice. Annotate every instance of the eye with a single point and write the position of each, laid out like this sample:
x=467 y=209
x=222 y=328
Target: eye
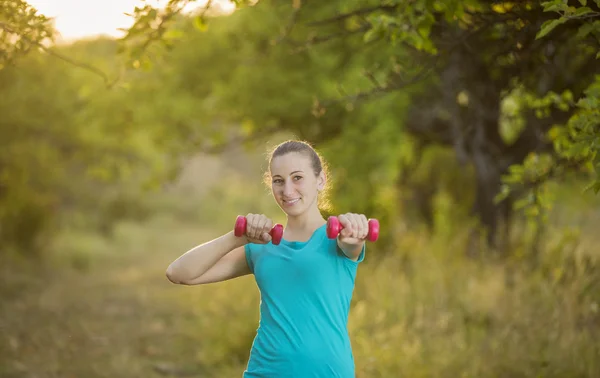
x=277 y=181
x=297 y=178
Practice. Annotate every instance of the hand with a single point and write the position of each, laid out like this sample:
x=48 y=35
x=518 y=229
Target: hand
x=355 y=228
x=257 y=229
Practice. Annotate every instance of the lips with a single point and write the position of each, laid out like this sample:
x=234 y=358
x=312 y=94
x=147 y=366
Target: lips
x=291 y=201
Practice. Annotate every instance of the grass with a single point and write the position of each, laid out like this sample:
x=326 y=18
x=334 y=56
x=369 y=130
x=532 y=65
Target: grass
x=101 y=306
x=116 y=315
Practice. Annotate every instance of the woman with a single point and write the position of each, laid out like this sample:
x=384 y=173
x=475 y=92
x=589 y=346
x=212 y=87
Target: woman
x=306 y=282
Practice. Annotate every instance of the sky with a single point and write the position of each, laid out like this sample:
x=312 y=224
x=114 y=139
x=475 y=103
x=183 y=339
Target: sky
x=75 y=19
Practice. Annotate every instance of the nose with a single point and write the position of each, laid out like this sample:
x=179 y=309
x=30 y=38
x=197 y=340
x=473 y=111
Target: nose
x=288 y=189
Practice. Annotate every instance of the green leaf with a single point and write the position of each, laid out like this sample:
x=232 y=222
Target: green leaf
x=532 y=211
x=504 y=193
x=372 y=34
x=585 y=29
x=555 y=6
x=516 y=169
x=589 y=103
x=583 y=10
x=583 y=2
x=567 y=96
x=172 y=34
x=577 y=150
x=200 y=23
x=594 y=186
x=521 y=203
x=548 y=26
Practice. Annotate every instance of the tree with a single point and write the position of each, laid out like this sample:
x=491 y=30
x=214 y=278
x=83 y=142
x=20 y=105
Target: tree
x=576 y=141
x=490 y=80
x=68 y=142
x=22 y=29
x=472 y=59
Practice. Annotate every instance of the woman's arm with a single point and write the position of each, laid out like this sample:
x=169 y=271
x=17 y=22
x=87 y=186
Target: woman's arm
x=351 y=239
x=220 y=259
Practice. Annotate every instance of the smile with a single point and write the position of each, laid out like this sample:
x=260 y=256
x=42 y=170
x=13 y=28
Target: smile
x=291 y=202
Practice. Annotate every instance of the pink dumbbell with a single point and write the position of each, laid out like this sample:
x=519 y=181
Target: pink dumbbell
x=240 y=229
x=334 y=227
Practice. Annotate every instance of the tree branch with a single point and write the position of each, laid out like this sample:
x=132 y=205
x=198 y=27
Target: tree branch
x=302 y=46
x=157 y=33
x=83 y=65
x=209 y=147
x=290 y=25
x=357 y=12
x=399 y=83
x=316 y=40
x=49 y=51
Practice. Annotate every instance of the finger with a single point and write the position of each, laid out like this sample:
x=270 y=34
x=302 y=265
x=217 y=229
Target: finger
x=364 y=222
x=265 y=229
x=261 y=221
x=355 y=225
x=250 y=225
x=268 y=228
x=346 y=224
x=256 y=229
x=268 y=225
x=345 y=220
x=260 y=226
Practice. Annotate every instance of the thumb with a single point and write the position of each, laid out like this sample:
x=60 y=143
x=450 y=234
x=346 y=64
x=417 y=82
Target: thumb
x=266 y=237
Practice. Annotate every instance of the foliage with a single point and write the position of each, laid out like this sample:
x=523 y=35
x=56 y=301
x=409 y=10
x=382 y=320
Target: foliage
x=419 y=311
x=454 y=64
x=577 y=141
x=411 y=103
x=38 y=142
x=320 y=73
x=334 y=58
x=22 y=30
x=66 y=142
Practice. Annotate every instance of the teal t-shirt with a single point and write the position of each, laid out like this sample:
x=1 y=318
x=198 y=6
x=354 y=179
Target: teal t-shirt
x=305 y=289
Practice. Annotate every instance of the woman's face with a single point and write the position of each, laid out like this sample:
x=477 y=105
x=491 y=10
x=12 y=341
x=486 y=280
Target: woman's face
x=294 y=184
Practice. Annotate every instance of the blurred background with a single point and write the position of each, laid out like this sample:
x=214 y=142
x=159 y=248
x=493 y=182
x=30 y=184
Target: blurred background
x=131 y=131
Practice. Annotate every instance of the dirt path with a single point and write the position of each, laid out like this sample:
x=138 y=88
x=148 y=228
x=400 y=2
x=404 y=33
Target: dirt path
x=118 y=318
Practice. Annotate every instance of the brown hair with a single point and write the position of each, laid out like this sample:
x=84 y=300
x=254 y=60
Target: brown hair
x=317 y=162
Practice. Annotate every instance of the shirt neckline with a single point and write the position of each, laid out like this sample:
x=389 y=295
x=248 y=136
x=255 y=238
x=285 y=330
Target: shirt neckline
x=297 y=243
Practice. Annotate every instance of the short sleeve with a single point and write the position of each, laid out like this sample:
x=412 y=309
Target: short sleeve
x=248 y=252
x=361 y=257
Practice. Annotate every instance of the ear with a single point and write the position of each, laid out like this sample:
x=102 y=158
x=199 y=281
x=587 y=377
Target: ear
x=321 y=181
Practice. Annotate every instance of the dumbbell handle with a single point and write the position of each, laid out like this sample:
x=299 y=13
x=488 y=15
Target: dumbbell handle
x=240 y=229
x=334 y=227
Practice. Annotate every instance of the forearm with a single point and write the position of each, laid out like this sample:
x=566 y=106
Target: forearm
x=201 y=258
x=351 y=250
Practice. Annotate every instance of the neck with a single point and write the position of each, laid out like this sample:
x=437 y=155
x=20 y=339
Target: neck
x=310 y=220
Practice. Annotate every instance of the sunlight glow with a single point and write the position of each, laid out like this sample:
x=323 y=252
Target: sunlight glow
x=77 y=19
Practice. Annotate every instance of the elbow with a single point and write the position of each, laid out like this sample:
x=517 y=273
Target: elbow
x=180 y=276
x=172 y=275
